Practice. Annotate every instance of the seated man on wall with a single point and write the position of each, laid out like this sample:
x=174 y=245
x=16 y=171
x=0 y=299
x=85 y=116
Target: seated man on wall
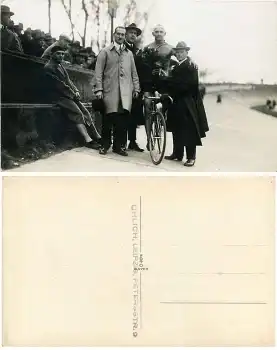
x=66 y=95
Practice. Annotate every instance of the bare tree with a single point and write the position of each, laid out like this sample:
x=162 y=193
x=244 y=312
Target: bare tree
x=130 y=12
x=49 y=15
x=68 y=11
x=203 y=74
x=96 y=7
x=86 y=22
x=96 y=14
x=132 y=15
x=99 y=11
x=105 y=41
x=142 y=21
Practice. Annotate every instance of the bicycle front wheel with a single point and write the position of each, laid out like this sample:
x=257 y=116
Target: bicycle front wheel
x=157 y=137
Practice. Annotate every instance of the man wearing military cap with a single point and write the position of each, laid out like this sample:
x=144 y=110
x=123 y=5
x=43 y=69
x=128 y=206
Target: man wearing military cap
x=186 y=116
x=9 y=40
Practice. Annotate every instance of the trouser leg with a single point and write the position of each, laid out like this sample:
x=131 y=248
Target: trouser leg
x=191 y=152
x=106 y=133
x=132 y=129
x=178 y=146
x=147 y=110
x=120 y=130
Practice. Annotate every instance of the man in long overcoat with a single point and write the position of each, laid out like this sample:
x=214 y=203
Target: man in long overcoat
x=186 y=116
x=117 y=83
x=61 y=90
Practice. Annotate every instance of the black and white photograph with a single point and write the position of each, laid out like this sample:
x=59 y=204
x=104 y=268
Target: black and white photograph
x=138 y=86
x=138 y=172
x=138 y=270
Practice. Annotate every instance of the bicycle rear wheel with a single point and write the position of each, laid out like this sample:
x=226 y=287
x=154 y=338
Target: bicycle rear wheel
x=157 y=137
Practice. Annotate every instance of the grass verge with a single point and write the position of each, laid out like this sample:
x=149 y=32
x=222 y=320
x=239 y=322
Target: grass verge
x=265 y=110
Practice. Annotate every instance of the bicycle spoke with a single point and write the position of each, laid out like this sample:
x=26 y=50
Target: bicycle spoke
x=158 y=137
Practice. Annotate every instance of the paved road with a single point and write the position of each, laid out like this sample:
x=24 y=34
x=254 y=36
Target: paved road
x=239 y=140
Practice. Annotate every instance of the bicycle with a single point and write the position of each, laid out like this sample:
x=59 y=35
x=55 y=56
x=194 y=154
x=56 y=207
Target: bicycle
x=156 y=131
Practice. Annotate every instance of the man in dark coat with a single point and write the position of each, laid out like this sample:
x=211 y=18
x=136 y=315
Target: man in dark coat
x=62 y=91
x=132 y=33
x=71 y=52
x=186 y=116
x=9 y=40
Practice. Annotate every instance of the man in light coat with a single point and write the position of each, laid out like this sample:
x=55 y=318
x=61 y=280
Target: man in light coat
x=117 y=83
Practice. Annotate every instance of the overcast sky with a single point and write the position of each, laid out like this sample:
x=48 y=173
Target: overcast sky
x=235 y=40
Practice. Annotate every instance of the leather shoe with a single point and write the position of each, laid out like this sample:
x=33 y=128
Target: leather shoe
x=135 y=147
x=189 y=162
x=103 y=150
x=121 y=152
x=173 y=157
x=92 y=145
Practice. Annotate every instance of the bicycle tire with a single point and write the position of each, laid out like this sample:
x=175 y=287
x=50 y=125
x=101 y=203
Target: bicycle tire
x=157 y=121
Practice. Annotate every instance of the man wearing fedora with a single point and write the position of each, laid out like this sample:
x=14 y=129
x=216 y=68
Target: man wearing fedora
x=186 y=116
x=137 y=118
x=72 y=51
x=9 y=40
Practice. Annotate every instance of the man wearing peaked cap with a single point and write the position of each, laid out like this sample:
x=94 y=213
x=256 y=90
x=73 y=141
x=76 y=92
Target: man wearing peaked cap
x=9 y=40
x=62 y=91
x=186 y=116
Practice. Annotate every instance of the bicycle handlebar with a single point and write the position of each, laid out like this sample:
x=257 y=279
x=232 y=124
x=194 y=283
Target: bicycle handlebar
x=154 y=98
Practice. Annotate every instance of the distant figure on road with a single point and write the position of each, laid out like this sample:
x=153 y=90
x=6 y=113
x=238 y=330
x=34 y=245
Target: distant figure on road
x=219 y=98
x=202 y=90
x=268 y=104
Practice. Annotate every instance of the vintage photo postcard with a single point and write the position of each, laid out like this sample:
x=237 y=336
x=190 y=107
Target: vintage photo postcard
x=139 y=85
x=152 y=261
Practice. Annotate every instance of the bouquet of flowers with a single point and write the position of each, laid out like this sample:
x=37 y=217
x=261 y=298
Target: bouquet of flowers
x=159 y=65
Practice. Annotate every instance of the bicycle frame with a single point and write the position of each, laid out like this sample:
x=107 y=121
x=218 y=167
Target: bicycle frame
x=150 y=118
